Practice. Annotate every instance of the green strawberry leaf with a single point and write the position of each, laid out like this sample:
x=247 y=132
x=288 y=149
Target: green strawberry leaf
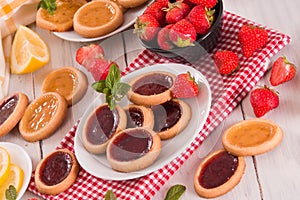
x=110 y=195
x=113 y=89
x=11 y=193
x=175 y=192
x=49 y=5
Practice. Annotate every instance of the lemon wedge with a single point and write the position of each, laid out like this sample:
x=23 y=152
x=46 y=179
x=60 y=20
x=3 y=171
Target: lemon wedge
x=29 y=52
x=4 y=165
x=15 y=178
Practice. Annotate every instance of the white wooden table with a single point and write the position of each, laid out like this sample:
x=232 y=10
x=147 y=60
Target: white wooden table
x=271 y=176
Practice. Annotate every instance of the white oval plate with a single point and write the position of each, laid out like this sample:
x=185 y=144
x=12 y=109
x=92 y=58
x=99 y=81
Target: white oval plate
x=98 y=165
x=21 y=158
x=129 y=18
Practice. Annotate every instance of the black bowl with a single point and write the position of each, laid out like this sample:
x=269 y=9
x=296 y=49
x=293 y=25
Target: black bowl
x=203 y=44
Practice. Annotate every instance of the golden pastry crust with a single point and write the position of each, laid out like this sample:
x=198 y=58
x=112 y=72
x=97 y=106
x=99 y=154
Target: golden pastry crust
x=35 y=125
x=186 y=115
x=131 y=3
x=224 y=188
x=63 y=185
x=148 y=117
x=16 y=115
x=150 y=100
x=137 y=164
x=101 y=148
x=93 y=19
x=68 y=81
x=252 y=137
x=62 y=18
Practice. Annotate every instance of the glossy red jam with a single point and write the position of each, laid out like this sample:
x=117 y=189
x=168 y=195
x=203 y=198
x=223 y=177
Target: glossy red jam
x=218 y=170
x=131 y=145
x=7 y=108
x=166 y=115
x=101 y=125
x=56 y=168
x=152 y=84
x=135 y=118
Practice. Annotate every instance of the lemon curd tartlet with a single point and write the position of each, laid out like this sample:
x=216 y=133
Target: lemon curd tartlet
x=97 y=18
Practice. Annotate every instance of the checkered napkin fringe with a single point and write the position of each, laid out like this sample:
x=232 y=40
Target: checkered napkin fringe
x=227 y=92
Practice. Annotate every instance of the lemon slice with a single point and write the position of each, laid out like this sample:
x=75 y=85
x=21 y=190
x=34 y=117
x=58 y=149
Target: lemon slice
x=29 y=51
x=4 y=165
x=15 y=178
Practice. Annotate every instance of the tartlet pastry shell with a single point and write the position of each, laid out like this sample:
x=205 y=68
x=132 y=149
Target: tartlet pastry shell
x=150 y=100
x=257 y=149
x=53 y=124
x=101 y=148
x=147 y=114
x=137 y=164
x=224 y=188
x=181 y=124
x=16 y=115
x=96 y=31
x=63 y=185
x=79 y=88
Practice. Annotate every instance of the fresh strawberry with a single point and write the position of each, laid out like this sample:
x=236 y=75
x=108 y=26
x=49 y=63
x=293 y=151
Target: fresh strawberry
x=156 y=10
x=176 y=11
x=185 y=86
x=252 y=38
x=205 y=3
x=183 y=33
x=85 y=53
x=99 y=68
x=282 y=71
x=226 y=61
x=202 y=18
x=163 y=39
x=263 y=100
x=146 y=27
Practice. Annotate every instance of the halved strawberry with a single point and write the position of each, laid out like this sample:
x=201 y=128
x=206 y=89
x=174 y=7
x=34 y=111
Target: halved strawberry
x=87 y=53
x=282 y=71
x=185 y=86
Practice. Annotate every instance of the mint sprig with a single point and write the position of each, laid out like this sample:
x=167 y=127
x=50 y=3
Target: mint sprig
x=49 y=5
x=175 y=192
x=11 y=193
x=113 y=89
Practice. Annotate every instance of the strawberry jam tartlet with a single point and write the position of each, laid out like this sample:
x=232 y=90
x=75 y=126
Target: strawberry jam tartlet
x=139 y=116
x=151 y=88
x=56 y=172
x=170 y=118
x=133 y=149
x=100 y=127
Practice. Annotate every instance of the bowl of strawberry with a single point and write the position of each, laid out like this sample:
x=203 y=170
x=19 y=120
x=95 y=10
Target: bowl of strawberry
x=180 y=27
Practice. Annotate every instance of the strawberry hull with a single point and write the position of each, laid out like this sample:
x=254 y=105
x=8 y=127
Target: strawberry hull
x=203 y=43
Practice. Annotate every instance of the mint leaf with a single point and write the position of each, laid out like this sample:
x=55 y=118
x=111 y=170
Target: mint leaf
x=49 y=5
x=99 y=86
x=11 y=193
x=113 y=89
x=113 y=76
x=175 y=192
x=120 y=90
x=110 y=195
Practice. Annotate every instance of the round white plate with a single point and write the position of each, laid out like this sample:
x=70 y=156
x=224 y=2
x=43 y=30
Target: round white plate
x=129 y=18
x=98 y=165
x=21 y=158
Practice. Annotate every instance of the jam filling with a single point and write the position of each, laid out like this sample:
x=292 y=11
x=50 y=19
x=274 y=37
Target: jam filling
x=218 y=170
x=102 y=125
x=152 y=84
x=8 y=107
x=56 y=168
x=131 y=145
x=135 y=118
x=166 y=115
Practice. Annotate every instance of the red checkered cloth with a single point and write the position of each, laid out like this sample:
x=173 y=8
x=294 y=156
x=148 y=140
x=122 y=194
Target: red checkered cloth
x=227 y=92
